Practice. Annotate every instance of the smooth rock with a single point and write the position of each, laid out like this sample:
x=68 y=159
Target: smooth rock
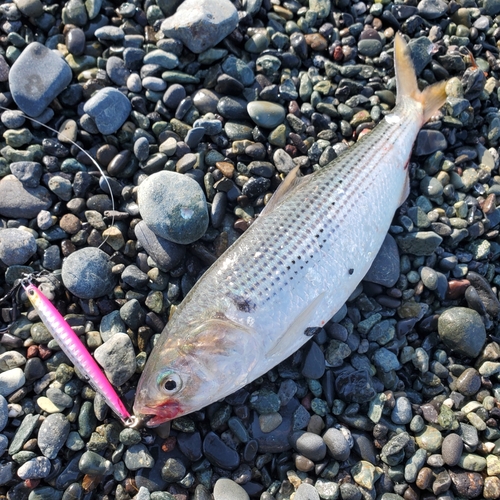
x=385 y=268
x=109 y=108
x=17 y=200
x=201 y=24
x=37 y=77
x=226 y=489
x=53 y=434
x=266 y=114
x=11 y=381
x=16 y=246
x=462 y=330
x=87 y=273
x=173 y=206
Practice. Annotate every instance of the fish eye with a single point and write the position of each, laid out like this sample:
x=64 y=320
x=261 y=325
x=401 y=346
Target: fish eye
x=170 y=383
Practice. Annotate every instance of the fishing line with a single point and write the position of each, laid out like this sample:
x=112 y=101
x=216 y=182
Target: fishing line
x=101 y=170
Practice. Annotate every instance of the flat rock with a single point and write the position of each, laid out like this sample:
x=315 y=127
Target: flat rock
x=385 y=267
x=37 y=77
x=201 y=24
x=17 y=200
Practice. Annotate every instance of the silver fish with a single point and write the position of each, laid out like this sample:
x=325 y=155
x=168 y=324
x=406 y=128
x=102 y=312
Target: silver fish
x=292 y=270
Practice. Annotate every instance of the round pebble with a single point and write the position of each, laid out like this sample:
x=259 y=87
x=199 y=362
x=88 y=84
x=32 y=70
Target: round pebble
x=179 y=196
x=462 y=330
x=87 y=273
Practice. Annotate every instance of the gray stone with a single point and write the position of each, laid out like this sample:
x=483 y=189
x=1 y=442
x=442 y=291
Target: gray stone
x=451 y=449
x=117 y=357
x=173 y=206
x=420 y=243
x=17 y=200
x=11 y=381
x=166 y=254
x=306 y=491
x=36 y=468
x=337 y=444
x=266 y=114
x=201 y=24
x=4 y=414
x=226 y=489
x=16 y=246
x=53 y=434
x=311 y=446
x=87 y=274
x=37 y=77
x=109 y=108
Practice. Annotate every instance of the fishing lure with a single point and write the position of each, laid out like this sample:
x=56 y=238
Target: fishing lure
x=75 y=350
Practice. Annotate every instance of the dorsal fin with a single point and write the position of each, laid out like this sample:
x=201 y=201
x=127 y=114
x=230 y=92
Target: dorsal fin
x=291 y=181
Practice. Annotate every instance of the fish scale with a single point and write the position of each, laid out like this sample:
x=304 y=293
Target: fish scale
x=291 y=270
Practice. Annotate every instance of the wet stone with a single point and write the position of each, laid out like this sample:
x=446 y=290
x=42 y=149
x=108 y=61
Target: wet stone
x=264 y=401
x=420 y=243
x=385 y=267
x=92 y=463
x=37 y=468
x=218 y=453
x=462 y=330
x=355 y=387
x=337 y=444
x=314 y=363
x=166 y=254
x=137 y=457
x=266 y=114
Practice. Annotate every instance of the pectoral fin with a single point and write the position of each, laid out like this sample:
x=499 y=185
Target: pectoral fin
x=297 y=332
x=291 y=181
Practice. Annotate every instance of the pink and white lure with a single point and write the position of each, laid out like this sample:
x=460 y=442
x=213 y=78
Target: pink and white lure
x=75 y=350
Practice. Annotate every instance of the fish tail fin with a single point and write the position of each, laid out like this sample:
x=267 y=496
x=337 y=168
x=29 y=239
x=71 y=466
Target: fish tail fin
x=432 y=98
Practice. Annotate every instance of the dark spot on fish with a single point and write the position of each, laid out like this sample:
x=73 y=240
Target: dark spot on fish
x=351 y=271
x=311 y=331
x=242 y=304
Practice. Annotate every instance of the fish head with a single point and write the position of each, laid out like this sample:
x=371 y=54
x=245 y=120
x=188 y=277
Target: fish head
x=193 y=367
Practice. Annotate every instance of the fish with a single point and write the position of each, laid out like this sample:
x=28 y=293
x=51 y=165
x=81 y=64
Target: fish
x=77 y=353
x=292 y=270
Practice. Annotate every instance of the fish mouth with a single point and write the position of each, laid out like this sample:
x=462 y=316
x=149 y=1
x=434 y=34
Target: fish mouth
x=153 y=416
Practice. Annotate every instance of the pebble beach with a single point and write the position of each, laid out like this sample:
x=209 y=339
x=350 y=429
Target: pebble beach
x=196 y=110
